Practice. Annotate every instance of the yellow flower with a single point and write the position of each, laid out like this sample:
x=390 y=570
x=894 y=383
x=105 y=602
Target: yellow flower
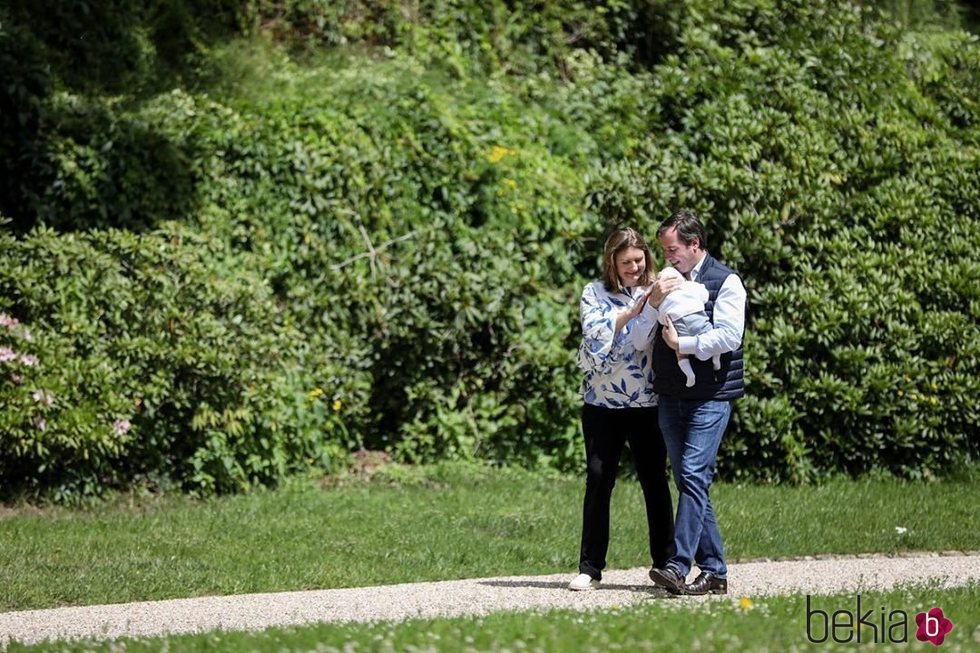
x=498 y=152
x=511 y=183
x=337 y=405
x=745 y=603
x=315 y=392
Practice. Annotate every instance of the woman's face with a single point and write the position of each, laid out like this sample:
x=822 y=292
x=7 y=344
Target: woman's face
x=630 y=265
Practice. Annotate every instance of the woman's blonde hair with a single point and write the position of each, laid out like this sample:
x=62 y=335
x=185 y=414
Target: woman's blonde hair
x=616 y=242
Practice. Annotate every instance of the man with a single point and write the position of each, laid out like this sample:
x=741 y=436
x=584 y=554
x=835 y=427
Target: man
x=693 y=418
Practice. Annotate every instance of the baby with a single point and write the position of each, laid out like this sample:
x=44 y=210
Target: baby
x=685 y=307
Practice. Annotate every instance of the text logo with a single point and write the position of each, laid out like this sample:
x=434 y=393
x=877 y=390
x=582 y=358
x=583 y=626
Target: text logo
x=873 y=624
x=933 y=626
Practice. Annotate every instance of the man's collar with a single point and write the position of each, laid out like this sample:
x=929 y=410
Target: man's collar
x=695 y=272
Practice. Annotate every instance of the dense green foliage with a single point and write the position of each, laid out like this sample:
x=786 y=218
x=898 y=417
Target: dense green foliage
x=843 y=185
x=153 y=361
x=372 y=220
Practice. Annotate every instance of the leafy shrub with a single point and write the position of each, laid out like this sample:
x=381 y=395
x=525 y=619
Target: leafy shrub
x=149 y=357
x=110 y=169
x=22 y=98
x=469 y=37
x=404 y=231
x=848 y=201
x=439 y=266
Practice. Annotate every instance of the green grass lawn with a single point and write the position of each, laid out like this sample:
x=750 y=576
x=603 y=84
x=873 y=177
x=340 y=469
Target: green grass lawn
x=435 y=523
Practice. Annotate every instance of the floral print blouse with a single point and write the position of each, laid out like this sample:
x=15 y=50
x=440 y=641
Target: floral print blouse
x=617 y=375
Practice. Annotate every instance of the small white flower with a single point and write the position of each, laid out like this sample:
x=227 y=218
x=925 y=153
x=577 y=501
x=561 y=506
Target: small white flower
x=901 y=530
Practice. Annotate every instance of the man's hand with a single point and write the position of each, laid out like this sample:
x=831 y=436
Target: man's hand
x=670 y=334
x=660 y=289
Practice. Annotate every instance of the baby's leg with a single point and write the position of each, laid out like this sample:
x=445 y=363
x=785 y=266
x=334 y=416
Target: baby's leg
x=684 y=363
x=689 y=325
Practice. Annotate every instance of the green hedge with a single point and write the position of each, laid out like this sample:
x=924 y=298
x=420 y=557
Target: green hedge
x=382 y=205
x=385 y=247
x=154 y=357
x=847 y=193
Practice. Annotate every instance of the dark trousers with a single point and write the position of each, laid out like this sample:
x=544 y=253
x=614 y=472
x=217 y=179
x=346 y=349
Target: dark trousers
x=606 y=431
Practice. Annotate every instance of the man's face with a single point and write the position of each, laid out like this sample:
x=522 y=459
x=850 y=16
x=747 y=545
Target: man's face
x=682 y=257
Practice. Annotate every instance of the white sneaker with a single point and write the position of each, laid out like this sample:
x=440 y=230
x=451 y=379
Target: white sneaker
x=583 y=582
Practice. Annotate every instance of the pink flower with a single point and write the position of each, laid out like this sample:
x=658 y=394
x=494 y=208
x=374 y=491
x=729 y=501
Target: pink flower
x=7 y=321
x=29 y=360
x=43 y=396
x=121 y=426
x=16 y=379
x=40 y=423
x=7 y=354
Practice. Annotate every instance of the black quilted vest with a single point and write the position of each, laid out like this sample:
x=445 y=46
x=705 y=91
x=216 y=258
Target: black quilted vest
x=723 y=385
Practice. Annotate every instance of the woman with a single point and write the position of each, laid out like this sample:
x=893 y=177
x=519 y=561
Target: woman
x=619 y=405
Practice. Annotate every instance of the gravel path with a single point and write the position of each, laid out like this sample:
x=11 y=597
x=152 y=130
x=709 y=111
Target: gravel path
x=475 y=596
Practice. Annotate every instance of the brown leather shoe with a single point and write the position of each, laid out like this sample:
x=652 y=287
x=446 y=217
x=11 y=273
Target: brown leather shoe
x=707 y=583
x=668 y=578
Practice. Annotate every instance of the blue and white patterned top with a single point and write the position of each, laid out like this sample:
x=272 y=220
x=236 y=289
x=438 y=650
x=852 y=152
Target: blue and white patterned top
x=617 y=375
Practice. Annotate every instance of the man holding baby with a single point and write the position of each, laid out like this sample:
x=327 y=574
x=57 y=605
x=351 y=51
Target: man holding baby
x=693 y=416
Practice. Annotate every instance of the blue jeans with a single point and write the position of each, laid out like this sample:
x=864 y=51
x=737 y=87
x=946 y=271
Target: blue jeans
x=692 y=430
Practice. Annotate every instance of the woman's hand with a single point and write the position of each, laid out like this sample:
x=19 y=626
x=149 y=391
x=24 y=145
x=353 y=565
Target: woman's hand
x=670 y=334
x=633 y=311
x=638 y=306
